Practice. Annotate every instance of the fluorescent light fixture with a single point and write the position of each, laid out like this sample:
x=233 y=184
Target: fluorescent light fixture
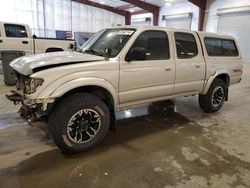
x=128 y=114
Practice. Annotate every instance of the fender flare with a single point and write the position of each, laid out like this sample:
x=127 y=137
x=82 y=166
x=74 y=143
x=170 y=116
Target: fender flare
x=54 y=49
x=81 y=82
x=212 y=78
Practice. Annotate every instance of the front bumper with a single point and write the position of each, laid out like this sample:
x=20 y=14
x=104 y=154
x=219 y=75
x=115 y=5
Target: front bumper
x=16 y=97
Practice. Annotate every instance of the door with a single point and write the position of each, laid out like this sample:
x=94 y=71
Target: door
x=152 y=77
x=1 y=46
x=16 y=39
x=190 y=64
x=237 y=25
x=1 y=38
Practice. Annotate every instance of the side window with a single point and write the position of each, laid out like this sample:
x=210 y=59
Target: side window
x=155 y=43
x=220 y=47
x=213 y=47
x=185 y=45
x=229 y=48
x=12 y=30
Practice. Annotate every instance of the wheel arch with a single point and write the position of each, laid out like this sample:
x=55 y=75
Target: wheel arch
x=96 y=90
x=96 y=86
x=85 y=84
x=223 y=75
x=53 y=49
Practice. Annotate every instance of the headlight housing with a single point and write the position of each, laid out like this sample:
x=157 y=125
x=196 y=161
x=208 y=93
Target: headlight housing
x=35 y=83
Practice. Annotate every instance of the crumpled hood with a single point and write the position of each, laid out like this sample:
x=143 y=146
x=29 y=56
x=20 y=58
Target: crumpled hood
x=25 y=65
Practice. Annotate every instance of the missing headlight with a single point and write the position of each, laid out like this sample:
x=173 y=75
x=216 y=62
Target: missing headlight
x=34 y=84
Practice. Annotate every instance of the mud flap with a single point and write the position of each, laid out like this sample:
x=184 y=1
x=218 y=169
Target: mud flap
x=226 y=95
x=113 y=123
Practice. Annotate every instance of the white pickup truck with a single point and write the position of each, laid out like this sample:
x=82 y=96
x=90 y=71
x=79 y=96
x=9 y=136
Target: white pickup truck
x=118 y=68
x=19 y=38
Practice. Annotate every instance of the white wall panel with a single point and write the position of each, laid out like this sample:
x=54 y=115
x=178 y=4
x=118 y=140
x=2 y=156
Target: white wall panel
x=140 y=19
x=212 y=19
x=237 y=25
x=179 y=21
x=46 y=18
x=180 y=8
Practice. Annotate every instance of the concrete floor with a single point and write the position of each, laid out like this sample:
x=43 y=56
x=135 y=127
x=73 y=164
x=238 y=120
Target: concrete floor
x=174 y=144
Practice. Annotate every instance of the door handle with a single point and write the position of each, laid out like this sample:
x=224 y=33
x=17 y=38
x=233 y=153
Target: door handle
x=133 y=70
x=197 y=66
x=167 y=69
x=1 y=41
x=25 y=42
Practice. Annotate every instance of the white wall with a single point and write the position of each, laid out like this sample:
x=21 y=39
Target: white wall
x=179 y=9
x=211 y=21
x=58 y=14
x=91 y=19
x=135 y=18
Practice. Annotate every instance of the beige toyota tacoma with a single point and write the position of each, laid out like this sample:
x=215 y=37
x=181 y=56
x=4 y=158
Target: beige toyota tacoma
x=119 y=68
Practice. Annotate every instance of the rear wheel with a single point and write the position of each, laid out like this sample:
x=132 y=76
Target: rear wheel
x=79 y=122
x=215 y=97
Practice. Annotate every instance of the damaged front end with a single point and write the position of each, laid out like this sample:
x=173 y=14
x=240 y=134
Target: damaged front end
x=25 y=86
x=27 y=111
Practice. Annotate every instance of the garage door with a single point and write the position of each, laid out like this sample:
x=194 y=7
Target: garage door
x=179 y=21
x=237 y=25
x=141 y=21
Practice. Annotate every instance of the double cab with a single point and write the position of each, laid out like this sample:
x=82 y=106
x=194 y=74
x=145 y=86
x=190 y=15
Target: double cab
x=119 y=68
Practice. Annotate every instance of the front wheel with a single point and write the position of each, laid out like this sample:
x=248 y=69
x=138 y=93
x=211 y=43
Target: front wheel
x=79 y=122
x=215 y=97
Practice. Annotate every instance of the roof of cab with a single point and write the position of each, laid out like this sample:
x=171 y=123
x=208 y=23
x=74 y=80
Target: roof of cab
x=201 y=33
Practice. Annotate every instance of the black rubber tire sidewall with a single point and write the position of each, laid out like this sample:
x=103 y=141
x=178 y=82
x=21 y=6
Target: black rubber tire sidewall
x=205 y=101
x=62 y=113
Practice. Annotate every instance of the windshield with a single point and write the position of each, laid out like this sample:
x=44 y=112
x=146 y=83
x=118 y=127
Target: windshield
x=112 y=39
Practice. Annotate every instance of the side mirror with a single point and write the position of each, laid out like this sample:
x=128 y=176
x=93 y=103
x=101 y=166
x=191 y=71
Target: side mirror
x=137 y=53
x=108 y=52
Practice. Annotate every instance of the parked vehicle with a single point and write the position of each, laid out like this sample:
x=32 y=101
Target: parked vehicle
x=18 y=38
x=119 y=68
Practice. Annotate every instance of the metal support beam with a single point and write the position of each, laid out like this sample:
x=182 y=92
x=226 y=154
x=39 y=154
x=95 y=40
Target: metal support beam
x=148 y=7
x=202 y=8
x=139 y=12
x=124 y=13
x=125 y=7
x=202 y=14
x=128 y=18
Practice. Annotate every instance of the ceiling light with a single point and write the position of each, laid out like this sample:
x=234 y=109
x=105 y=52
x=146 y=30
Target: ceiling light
x=102 y=2
x=168 y=4
x=131 y=10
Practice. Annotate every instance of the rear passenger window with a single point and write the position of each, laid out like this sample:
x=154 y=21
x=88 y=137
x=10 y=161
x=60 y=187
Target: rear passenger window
x=12 y=30
x=229 y=48
x=220 y=47
x=185 y=45
x=156 y=44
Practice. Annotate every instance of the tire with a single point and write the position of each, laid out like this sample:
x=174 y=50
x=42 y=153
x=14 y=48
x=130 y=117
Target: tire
x=79 y=122
x=210 y=102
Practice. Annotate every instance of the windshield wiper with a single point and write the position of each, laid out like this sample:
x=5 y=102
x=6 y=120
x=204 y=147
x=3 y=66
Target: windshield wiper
x=94 y=52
